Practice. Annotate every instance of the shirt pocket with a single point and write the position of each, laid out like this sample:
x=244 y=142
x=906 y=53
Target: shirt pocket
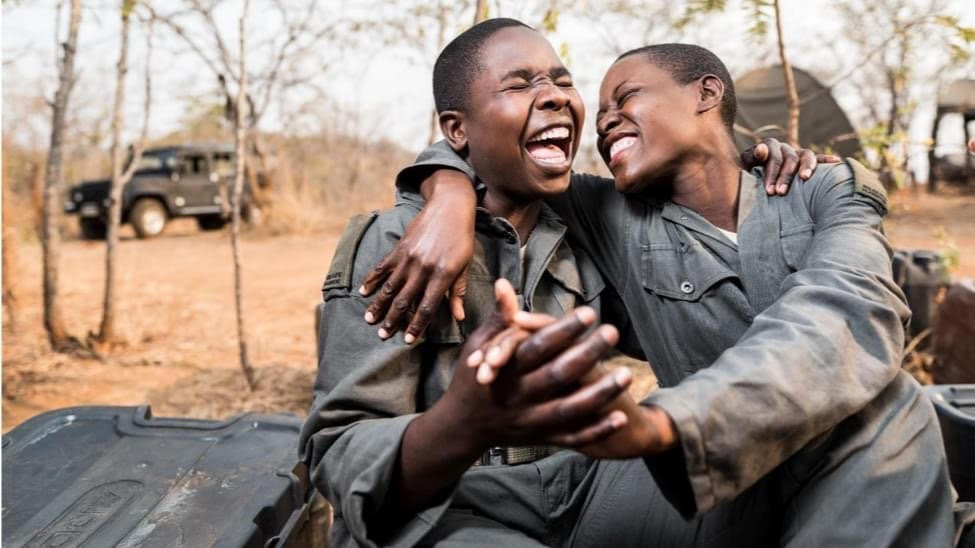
x=681 y=274
x=795 y=241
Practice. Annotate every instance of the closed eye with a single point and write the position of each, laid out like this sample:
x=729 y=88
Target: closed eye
x=625 y=96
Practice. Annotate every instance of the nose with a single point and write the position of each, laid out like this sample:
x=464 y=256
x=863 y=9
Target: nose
x=607 y=121
x=552 y=97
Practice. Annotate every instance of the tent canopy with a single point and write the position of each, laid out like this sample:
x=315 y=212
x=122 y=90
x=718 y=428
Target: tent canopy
x=763 y=111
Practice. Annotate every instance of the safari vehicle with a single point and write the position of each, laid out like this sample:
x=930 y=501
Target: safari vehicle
x=948 y=158
x=178 y=181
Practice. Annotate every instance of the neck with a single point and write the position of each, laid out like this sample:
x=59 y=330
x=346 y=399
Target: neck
x=707 y=182
x=522 y=214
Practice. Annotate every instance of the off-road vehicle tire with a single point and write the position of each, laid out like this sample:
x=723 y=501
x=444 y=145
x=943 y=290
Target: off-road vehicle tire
x=148 y=217
x=252 y=214
x=211 y=222
x=92 y=229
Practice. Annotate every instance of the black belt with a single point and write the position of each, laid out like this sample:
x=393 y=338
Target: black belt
x=515 y=455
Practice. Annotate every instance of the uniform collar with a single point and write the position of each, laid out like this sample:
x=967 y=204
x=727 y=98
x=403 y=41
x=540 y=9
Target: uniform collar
x=747 y=188
x=547 y=250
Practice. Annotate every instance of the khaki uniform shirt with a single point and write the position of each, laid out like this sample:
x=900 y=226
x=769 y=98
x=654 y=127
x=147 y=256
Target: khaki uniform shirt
x=368 y=391
x=760 y=347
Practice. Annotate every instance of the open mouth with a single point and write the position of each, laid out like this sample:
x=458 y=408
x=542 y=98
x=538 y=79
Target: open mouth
x=552 y=145
x=616 y=145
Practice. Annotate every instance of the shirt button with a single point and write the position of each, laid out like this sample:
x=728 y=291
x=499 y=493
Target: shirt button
x=687 y=287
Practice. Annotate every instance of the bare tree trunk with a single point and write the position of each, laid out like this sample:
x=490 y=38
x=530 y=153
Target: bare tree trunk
x=10 y=247
x=480 y=11
x=121 y=174
x=239 y=138
x=790 y=81
x=37 y=193
x=57 y=333
x=441 y=32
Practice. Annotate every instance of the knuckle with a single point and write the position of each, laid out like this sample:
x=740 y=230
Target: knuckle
x=556 y=375
x=425 y=310
x=401 y=304
x=528 y=350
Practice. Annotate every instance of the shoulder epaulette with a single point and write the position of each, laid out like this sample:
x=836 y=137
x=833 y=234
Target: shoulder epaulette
x=340 y=273
x=867 y=184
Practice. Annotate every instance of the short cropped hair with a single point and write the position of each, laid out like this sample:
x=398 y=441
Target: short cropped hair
x=686 y=63
x=459 y=63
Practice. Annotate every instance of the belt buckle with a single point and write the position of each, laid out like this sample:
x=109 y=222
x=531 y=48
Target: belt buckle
x=495 y=456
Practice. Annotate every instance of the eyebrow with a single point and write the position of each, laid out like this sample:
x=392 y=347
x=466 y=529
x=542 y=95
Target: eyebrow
x=525 y=74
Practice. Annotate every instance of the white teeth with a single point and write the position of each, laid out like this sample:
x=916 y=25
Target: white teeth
x=554 y=161
x=560 y=132
x=621 y=145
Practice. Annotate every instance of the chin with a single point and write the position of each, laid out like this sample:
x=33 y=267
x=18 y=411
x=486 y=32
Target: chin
x=626 y=186
x=551 y=187
x=626 y=180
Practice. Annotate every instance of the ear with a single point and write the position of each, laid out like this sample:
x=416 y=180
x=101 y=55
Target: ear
x=453 y=129
x=710 y=92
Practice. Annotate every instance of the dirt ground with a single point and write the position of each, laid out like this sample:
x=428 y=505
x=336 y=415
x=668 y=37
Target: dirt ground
x=176 y=299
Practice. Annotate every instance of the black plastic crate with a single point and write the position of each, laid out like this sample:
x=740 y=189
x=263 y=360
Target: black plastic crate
x=955 y=404
x=116 y=476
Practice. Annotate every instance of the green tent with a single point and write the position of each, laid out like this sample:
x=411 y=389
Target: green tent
x=763 y=111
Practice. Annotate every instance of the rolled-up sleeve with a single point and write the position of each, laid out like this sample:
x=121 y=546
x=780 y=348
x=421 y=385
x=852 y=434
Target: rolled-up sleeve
x=828 y=345
x=365 y=398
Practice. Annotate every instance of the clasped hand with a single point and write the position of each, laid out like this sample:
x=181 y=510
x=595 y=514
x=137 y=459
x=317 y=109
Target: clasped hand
x=532 y=379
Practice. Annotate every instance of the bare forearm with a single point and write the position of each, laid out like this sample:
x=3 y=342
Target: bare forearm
x=433 y=456
x=451 y=185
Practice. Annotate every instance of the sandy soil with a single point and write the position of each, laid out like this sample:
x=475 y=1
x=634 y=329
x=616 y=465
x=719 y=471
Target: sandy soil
x=176 y=298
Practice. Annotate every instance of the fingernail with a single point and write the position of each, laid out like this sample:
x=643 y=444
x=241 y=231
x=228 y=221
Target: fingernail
x=782 y=189
x=622 y=376
x=409 y=338
x=617 y=419
x=493 y=355
x=383 y=334
x=362 y=290
x=485 y=374
x=586 y=315
x=475 y=358
x=770 y=189
x=369 y=317
x=806 y=173
x=609 y=334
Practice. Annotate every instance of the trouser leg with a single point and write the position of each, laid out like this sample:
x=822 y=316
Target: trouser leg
x=626 y=508
x=463 y=528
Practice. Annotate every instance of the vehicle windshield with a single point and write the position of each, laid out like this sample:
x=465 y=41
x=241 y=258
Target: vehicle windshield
x=151 y=162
